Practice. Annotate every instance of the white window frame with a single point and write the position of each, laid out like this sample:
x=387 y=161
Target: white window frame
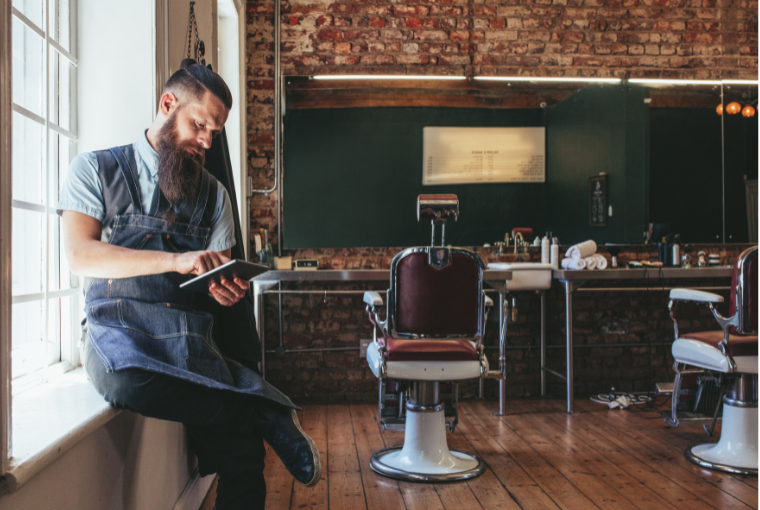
x=69 y=352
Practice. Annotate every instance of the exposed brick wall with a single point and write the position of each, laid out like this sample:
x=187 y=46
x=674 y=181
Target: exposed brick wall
x=607 y=320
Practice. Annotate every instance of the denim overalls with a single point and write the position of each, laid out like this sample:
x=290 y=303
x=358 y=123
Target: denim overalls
x=148 y=322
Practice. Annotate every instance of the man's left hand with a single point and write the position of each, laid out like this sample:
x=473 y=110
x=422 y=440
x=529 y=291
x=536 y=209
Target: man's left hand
x=228 y=293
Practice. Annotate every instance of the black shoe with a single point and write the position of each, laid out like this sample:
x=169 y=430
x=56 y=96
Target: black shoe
x=296 y=449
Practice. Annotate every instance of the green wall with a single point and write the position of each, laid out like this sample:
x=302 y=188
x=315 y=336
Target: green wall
x=352 y=176
x=598 y=129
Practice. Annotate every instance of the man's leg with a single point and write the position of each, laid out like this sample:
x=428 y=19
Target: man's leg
x=222 y=425
x=239 y=462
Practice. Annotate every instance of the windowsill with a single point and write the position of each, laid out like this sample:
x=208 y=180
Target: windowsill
x=50 y=419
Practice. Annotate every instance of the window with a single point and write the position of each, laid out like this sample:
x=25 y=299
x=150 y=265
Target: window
x=46 y=305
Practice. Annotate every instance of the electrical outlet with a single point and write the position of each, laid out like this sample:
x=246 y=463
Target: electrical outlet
x=363 y=344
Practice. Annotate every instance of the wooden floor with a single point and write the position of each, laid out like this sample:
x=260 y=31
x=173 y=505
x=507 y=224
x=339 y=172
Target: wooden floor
x=537 y=458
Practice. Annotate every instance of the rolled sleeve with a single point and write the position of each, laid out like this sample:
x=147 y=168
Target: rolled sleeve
x=81 y=190
x=222 y=223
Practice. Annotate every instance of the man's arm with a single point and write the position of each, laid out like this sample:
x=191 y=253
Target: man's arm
x=89 y=256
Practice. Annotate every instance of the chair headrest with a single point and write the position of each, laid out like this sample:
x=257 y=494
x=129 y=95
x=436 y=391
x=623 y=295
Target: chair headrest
x=437 y=207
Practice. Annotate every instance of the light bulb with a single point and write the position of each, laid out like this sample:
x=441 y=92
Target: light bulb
x=748 y=111
x=733 y=108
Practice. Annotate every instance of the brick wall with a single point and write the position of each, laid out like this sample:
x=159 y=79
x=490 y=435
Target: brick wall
x=616 y=330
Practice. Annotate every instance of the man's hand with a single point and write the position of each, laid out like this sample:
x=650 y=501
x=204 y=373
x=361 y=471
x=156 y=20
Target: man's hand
x=226 y=293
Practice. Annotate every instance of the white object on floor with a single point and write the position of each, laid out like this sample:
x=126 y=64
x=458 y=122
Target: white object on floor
x=581 y=250
x=601 y=262
x=738 y=440
x=590 y=262
x=573 y=264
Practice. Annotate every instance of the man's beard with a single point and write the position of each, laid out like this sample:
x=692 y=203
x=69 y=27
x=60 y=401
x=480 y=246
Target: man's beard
x=179 y=171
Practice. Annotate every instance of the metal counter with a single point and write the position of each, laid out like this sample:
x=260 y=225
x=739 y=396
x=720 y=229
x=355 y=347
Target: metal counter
x=573 y=280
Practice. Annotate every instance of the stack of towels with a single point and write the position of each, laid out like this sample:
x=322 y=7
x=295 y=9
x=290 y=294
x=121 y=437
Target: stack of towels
x=584 y=256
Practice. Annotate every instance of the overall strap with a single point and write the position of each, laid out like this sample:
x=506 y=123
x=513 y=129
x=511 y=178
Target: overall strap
x=200 y=204
x=129 y=172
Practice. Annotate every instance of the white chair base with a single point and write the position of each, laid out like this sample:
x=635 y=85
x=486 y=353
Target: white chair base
x=736 y=452
x=425 y=456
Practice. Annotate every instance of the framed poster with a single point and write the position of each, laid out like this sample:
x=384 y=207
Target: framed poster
x=472 y=155
x=597 y=201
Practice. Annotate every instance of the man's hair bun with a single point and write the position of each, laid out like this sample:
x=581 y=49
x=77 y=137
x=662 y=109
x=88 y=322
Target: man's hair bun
x=187 y=62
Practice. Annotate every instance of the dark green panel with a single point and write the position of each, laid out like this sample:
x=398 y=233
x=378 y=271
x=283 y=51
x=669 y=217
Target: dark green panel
x=685 y=184
x=741 y=160
x=586 y=135
x=352 y=176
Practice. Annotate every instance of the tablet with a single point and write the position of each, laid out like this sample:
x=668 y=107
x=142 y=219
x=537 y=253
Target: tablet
x=231 y=270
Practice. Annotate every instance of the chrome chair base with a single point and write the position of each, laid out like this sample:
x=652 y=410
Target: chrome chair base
x=692 y=457
x=469 y=467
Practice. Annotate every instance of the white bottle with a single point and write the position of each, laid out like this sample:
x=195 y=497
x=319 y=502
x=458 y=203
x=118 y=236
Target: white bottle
x=545 y=250
x=555 y=253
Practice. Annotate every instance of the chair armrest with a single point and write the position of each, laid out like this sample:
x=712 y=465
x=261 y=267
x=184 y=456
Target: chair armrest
x=489 y=301
x=373 y=298
x=699 y=296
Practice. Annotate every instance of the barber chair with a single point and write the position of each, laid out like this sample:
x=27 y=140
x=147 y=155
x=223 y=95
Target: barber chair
x=431 y=337
x=729 y=355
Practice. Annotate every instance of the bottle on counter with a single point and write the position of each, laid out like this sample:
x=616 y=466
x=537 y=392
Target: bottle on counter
x=554 y=256
x=545 y=250
x=676 y=258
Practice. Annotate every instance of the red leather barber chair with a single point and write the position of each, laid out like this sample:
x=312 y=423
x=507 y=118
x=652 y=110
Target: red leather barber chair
x=431 y=336
x=731 y=354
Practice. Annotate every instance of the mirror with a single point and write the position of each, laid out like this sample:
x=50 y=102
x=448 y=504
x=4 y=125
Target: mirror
x=352 y=160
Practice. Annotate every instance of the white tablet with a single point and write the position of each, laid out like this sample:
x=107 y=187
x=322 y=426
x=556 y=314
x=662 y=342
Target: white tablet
x=233 y=269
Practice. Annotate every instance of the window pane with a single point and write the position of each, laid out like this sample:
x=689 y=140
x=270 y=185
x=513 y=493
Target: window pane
x=71 y=317
x=63 y=32
x=67 y=150
x=28 y=68
x=28 y=254
x=32 y=9
x=61 y=73
x=28 y=159
x=27 y=343
x=53 y=354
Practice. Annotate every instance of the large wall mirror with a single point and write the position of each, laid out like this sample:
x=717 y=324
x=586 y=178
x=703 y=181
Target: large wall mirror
x=671 y=153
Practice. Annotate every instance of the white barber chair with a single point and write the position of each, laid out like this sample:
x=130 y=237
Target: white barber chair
x=431 y=337
x=732 y=354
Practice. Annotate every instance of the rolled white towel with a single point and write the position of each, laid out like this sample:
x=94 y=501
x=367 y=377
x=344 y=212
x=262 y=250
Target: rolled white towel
x=581 y=250
x=590 y=262
x=573 y=264
x=601 y=262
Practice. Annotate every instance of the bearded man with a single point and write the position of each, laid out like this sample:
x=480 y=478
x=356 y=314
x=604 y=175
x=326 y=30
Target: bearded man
x=138 y=221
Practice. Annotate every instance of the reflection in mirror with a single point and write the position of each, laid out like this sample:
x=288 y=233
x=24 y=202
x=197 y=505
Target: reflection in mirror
x=685 y=161
x=353 y=160
x=740 y=141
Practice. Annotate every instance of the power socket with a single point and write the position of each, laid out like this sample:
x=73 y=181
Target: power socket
x=363 y=344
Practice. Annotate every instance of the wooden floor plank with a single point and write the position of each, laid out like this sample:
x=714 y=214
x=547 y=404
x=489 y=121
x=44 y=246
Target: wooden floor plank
x=554 y=483
x=573 y=463
x=345 y=488
x=381 y=492
x=314 y=498
x=637 y=490
x=486 y=488
x=631 y=464
x=663 y=461
x=659 y=435
x=520 y=487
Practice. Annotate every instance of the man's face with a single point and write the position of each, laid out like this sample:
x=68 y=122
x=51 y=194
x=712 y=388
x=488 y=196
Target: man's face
x=182 y=144
x=198 y=122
